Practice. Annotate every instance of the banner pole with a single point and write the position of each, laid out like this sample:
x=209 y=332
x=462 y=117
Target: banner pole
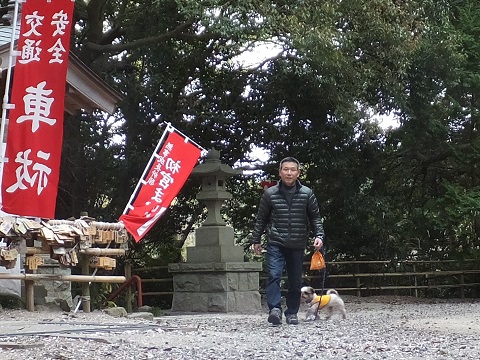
x=193 y=142
x=163 y=178
x=168 y=129
x=6 y=95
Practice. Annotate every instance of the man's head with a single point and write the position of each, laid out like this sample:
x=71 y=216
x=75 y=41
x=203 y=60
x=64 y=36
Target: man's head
x=289 y=170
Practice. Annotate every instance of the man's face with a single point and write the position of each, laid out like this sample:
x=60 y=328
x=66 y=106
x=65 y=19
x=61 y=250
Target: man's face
x=289 y=173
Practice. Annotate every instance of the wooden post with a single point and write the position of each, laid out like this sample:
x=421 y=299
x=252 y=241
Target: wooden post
x=30 y=295
x=84 y=261
x=462 y=287
x=103 y=252
x=128 y=296
x=30 y=284
x=416 y=283
x=359 y=283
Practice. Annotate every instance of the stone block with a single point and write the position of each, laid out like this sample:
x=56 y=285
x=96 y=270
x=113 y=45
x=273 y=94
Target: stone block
x=211 y=282
x=232 y=281
x=203 y=254
x=187 y=267
x=214 y=235
x=186 y=282
x=248 y=302
x=248 y=281
x=244 y=302
x=216 y=287
x=40 y=294
x=61 y=286
x=190 y=302
x=243 y=266
x=55 y=290
x=115 y=311
x=217 y=302
x=46 y=270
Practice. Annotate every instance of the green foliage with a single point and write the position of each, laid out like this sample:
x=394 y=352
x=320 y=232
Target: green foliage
x=99 y=293
x=387 y=194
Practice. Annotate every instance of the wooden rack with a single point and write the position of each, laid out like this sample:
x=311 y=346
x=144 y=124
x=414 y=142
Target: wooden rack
x=82 y=242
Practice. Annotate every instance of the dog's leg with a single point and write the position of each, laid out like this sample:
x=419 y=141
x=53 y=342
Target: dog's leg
x=336 y=304
x=311 y=312
x=341 y=308
x=330 y=311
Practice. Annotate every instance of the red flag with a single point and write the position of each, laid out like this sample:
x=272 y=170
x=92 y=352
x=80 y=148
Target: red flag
x=163 y=178
x=35 y=130
x=266 y=184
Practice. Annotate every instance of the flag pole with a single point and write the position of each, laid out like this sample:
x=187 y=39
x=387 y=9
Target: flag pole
x=168 y=129
x=5 y=105
x=204 y=151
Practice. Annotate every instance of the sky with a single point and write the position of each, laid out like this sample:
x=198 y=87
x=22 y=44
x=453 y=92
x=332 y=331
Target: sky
x=264 y=51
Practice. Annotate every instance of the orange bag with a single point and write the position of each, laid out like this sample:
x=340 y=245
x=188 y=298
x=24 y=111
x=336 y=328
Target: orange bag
x=317 y=262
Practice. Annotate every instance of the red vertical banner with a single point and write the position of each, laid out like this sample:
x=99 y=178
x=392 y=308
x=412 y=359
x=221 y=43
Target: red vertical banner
x=35 y=130
x=163 y=178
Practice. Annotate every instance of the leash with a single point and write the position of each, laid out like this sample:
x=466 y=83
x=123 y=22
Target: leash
x=323 y=282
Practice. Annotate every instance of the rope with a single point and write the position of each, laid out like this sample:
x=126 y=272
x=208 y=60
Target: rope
x=323 y=282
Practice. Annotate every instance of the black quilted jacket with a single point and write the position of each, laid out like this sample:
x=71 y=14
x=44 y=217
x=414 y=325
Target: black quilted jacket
x=284 y=225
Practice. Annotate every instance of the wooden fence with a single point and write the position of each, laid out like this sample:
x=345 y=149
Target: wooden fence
x=429 y=278
x=420 y=278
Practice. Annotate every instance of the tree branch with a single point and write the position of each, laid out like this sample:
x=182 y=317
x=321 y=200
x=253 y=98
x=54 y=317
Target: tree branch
x=178 y=33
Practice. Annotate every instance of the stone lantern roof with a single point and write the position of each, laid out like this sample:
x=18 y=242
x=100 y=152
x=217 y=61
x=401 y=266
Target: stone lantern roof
x=213 y=166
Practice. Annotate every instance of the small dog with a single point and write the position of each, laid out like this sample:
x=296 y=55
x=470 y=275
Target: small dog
x=331 y=301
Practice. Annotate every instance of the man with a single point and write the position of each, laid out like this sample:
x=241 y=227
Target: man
x=287 y=212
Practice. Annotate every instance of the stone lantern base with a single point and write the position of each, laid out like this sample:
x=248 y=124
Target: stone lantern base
x=216 y=287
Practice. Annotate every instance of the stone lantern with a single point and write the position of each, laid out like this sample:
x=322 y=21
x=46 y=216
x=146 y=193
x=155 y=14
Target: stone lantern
x=215 y=277
x=214 y=241
x=213 y=174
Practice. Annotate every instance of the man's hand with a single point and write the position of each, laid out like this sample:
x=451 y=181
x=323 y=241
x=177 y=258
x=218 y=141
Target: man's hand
x=257 y=249
x=318 y=243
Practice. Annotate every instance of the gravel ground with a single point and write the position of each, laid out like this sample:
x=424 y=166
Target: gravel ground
x=375 y=328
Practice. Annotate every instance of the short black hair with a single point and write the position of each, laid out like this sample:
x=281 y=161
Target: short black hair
x=290 y=159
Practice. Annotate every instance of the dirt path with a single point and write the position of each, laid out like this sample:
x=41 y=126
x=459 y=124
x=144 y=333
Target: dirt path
x=388 y=328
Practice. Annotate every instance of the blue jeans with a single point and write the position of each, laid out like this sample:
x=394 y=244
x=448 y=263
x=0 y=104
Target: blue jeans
x=279 y=258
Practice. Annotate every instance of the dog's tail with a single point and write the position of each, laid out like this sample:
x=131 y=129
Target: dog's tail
x=332 y=291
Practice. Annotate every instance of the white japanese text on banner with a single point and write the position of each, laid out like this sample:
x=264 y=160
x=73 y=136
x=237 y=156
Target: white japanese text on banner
x=35 y=131
x=167 y=171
